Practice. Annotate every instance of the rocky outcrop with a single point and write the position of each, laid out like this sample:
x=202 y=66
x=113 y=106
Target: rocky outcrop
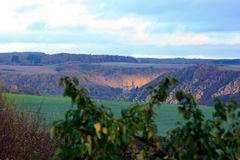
x=204 y=81
x=231 y=88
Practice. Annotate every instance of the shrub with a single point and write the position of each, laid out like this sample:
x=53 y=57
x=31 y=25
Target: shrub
x=198 y=138
x=21 y=138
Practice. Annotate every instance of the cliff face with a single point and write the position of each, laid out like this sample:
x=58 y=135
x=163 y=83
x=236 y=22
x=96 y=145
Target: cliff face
x=231 y=88
x=204 y=81
x=125 y=81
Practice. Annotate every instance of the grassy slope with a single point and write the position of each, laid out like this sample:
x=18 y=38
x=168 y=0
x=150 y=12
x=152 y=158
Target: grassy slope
x=53 y=108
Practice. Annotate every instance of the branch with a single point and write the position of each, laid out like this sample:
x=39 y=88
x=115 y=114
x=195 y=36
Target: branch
x=159 y=153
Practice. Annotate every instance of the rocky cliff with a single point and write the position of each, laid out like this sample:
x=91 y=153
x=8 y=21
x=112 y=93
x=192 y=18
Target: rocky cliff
x=204 y=81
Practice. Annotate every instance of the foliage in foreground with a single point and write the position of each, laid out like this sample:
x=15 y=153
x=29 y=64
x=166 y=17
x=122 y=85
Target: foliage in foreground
x=92 y=132
x=22 y=138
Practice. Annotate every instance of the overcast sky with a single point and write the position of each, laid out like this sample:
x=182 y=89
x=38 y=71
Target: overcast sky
x=142 y=28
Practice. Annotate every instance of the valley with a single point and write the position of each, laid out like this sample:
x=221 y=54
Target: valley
x=119 y=77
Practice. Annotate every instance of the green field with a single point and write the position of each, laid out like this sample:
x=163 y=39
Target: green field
x=54 y=107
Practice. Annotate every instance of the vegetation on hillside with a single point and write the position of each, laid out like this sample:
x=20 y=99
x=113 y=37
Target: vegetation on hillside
x=92 y=132
x=39 y=58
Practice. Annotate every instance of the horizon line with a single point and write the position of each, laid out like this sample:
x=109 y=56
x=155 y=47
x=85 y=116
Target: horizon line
x=132 y=55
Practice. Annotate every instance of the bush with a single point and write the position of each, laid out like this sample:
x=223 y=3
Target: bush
x=92 y=132
x=21 y=137
x=198 y=138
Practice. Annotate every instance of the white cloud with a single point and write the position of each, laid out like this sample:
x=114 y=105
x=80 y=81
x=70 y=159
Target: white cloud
x=52 y=48
x=60 y=13
x=184 y=38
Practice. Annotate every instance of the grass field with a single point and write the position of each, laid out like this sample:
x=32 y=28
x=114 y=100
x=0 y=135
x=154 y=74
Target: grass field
x=53 y=108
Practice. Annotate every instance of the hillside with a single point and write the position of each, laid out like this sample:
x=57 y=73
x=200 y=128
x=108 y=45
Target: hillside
x=118 y=77
x=48 y=84
x=204 y=81
x=104 y=81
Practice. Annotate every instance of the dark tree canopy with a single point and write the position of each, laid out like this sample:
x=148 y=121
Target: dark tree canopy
x=15 y=59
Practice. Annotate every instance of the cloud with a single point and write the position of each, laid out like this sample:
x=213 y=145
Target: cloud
x=51 y=48
x=27 y=8
x=197 y=15
x=37 y=26
x=203 y=51
x=123 y=27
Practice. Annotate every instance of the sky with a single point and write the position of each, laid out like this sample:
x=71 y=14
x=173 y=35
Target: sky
x=140 y=28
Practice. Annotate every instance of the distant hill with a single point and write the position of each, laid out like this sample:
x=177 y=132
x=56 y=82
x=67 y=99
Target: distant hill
x=190 y=61
x=40 y=58
x=204 y=81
